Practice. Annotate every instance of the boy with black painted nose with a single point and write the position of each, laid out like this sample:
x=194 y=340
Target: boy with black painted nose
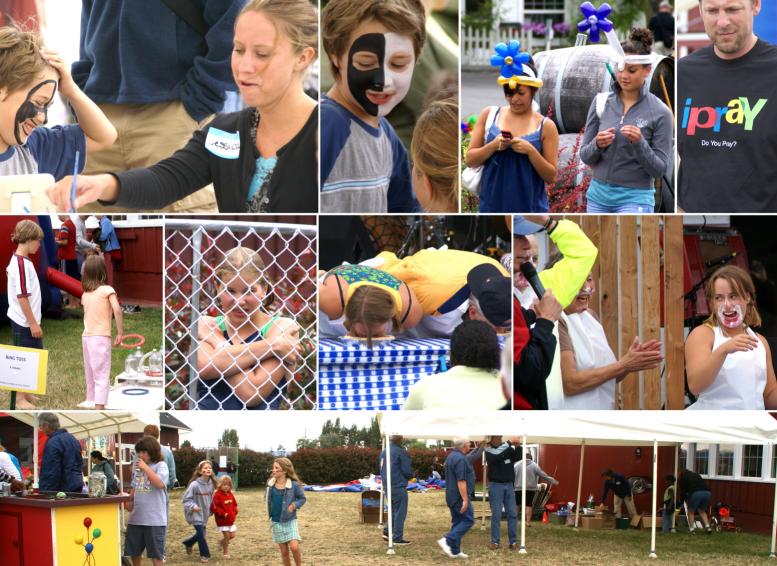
x=373 y=47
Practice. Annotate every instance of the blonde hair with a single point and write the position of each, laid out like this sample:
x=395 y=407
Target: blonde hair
x=225 y=479
x=742 y=284
x=297 y=20
x=435 y=149
x=26 y=231
x=288 y=468
x=20 y=58
x=341 y=17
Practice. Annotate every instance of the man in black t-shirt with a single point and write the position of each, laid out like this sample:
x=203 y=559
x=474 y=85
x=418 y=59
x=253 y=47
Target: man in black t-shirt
x=728 y=119
x=662 y=26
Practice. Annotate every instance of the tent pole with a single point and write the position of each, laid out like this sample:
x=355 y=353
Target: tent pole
x=484 y=465
x=774 y=515
x=35 y=430
x=522 y=548
x=387 y=482
x=676 y=472
x=382 y=487
x=580 y=481
x=652 y=553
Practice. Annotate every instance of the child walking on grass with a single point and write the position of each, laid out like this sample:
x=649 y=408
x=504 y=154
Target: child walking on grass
x=284 y=496
x=98 y=300
x=24 y=296
x=224 y=509
x=147 y=523
x=196 y=507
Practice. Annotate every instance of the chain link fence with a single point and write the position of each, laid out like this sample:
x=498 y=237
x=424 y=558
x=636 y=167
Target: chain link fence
x=228 y=344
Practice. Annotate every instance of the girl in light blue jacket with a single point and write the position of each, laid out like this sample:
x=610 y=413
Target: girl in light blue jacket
x=284 y=496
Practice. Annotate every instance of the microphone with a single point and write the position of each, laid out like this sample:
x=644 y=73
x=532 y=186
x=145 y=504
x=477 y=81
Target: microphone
x=722 y=260
x=534 y=280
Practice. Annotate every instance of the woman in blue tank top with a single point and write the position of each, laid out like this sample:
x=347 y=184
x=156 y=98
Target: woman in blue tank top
x=244 y=354
x=517 y=147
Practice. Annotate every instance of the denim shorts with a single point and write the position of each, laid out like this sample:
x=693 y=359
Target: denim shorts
x=698 y=500
x=140 y=537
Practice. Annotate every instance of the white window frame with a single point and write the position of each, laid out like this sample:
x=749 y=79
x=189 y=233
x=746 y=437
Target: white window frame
x=766 y=463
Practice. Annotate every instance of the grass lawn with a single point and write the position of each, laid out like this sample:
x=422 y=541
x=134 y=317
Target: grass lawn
x=62 y=338
x=331 y=533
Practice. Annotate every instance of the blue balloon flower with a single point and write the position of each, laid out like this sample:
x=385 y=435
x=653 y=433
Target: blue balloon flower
x=595 y=20
x=510 y=58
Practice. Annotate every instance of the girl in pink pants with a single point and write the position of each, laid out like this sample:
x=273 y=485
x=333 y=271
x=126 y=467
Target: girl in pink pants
x=100 y=303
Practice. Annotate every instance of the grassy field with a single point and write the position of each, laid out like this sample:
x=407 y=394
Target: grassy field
x=62 y=338
x=332 y=535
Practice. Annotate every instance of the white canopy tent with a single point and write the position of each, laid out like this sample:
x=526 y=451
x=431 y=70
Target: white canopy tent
x=614 y=428
x=88 y=424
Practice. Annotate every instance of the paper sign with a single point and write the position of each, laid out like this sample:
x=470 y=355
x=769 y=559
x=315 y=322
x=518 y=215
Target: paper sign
x=23 y=369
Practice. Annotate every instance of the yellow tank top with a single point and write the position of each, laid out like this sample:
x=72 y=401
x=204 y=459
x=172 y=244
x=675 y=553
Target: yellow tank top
x=435 y=275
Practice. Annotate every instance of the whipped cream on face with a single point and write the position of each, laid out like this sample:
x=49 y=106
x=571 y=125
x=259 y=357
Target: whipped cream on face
x=731 y=321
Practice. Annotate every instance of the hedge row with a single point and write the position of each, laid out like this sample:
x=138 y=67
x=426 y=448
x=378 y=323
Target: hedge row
x=314 y=466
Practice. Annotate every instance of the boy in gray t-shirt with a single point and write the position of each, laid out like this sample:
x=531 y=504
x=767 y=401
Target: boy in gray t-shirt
x=147 y=523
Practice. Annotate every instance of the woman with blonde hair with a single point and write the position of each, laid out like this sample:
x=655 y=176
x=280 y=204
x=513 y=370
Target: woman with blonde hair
x=434 y=151
x=260 y=159
x=245 y=353
x=728 y=365
x=284 y=496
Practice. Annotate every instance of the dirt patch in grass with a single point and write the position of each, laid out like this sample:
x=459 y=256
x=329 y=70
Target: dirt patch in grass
x=332 y=535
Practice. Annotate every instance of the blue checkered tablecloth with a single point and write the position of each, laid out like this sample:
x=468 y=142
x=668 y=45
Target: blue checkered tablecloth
x=353 y=376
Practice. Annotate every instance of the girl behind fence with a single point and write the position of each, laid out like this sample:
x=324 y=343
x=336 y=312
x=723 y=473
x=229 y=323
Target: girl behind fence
x=284 y=496
x=244 y=353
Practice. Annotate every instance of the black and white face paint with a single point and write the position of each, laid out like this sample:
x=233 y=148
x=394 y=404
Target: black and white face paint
x=379 y=73
x=30 y=111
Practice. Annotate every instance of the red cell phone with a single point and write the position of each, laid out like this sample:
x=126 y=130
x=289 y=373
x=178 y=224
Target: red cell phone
x=507 y=135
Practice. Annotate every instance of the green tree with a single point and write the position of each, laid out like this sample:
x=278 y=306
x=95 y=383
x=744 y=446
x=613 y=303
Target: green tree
x=229 y=438
x=186 y=444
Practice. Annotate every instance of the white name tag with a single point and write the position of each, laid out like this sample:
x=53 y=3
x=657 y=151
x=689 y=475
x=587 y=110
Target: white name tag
x=507 y=461
x=223 y=144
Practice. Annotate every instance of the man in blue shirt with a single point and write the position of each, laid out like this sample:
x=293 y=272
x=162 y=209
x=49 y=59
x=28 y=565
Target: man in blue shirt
x=621 y=489
x=459 y=487
x=501 y=458
x=62 y=466
x=401 y=472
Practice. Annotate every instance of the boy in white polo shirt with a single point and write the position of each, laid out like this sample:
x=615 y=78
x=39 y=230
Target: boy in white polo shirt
x=24 y=298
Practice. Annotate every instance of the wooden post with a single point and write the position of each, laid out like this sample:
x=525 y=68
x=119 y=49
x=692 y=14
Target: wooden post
x=674 y=374
x=608 y=280
x=590 y=225
x=628 y=304
x=651 y=304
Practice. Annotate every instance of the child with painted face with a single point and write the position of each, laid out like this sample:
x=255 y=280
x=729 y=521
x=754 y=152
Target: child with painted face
x=728 y=365
x=260 y=159
x=627 y=143
x=244 y=354
x=373 y=46
x=29 y=76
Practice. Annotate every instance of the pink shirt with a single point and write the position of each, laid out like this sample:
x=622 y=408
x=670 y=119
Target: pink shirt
x=97 y=311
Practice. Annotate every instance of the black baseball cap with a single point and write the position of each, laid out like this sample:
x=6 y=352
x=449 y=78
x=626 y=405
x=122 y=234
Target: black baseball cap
x=492 y=289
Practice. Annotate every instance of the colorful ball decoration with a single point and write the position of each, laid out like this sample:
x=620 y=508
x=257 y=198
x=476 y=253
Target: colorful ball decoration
x=87 y=522
x=89 y=547
x=96 y=533
x=595 y=20
x=79 y=540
